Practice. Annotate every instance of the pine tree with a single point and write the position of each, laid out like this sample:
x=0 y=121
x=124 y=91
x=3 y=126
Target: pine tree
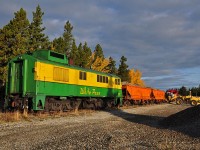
x=59 y=45
x=13 y=40
x=123 y=71
x=112 y=66
x=83 y=55
x=86 y=54
x=68 y=38
x=74 y=55
x=198 y=91
x=80 y=54
x=5 y=52
x=98 y=52
x=38 y=40
x=183 y=91
x=19 y=28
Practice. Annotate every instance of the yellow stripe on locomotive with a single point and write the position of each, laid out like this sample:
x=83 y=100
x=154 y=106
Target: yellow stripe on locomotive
x=69 y=75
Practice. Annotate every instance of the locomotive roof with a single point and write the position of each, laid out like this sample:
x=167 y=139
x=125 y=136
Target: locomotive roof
x=51 y=56
x=55 y=58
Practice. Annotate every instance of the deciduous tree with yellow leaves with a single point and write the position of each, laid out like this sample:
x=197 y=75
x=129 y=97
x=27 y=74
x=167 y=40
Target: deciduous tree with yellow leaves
x=135 y=77
x=99 y=64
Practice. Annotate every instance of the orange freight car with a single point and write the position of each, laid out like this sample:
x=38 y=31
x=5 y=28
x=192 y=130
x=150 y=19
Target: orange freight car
x=159 y=95
x=133 y=94
x=136 y=95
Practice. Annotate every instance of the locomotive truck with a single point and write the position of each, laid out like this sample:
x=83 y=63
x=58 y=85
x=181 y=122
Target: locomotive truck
x=44 y=80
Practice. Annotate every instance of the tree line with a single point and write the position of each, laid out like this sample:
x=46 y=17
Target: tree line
x=21 y=36
x=195 y=91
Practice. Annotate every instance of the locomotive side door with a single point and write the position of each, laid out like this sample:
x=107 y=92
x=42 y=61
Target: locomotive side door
x=18 y=77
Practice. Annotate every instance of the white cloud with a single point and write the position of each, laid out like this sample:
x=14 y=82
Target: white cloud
x=157 y=37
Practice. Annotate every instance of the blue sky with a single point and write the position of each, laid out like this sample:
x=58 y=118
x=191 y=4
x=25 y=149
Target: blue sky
x=160 y=38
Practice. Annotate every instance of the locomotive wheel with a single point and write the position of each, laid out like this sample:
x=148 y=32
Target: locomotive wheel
x=88 y=105
x=99 y=104
x=193 y=103
x=127 y=103
x=179 y=101
x=109 y=103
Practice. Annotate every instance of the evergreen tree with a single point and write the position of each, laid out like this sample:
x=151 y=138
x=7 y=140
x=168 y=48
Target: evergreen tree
x=58 y=45
x=74 y=55
x=80 y=54
x=68 y=38
x=195 y=91
x=123 y=71
x=98 y=52
x=183 y=91
x=13 y=40
x=83 y=55
x=198 y=91
x=38 y=39
x=112 y=66
x=19 y=28
x=86 y=54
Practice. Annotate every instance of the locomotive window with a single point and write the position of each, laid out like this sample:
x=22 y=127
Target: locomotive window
x=106 y=79
x=98 y=78
x=82 y=75
x=102 y=79
x=117 y=81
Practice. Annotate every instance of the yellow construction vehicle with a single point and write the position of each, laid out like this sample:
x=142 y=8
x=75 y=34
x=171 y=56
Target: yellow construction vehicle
x=175 y=97
x=194 y=100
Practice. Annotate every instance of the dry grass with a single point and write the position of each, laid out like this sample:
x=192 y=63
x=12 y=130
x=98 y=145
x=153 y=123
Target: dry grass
x=18 y=116
x=10 y=116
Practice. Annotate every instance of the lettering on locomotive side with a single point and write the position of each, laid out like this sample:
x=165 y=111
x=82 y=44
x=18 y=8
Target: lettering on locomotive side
x=88 y=91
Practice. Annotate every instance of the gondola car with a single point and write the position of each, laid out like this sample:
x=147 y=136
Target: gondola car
x=44 y=80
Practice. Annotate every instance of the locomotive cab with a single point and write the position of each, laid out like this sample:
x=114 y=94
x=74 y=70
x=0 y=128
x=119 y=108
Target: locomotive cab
x=16 y=83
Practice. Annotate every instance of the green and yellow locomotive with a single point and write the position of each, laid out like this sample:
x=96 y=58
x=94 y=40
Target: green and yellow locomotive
x=44 y=80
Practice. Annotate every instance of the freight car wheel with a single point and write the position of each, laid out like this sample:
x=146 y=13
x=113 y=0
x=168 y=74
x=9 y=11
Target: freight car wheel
x=127 y=103
x=179 y=101
x=193 y=103
x=137 y=102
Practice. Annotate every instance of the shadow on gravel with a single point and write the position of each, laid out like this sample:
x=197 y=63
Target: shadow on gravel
x=186 y=121
x=137 y=118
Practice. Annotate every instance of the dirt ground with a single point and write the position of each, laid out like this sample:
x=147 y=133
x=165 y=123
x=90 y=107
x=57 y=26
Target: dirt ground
x=140 y=127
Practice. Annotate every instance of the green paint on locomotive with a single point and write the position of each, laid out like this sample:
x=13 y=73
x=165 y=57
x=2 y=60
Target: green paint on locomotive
x=21 y=82
x=54 y=89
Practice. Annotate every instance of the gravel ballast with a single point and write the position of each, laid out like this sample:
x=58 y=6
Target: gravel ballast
x=131 y=128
